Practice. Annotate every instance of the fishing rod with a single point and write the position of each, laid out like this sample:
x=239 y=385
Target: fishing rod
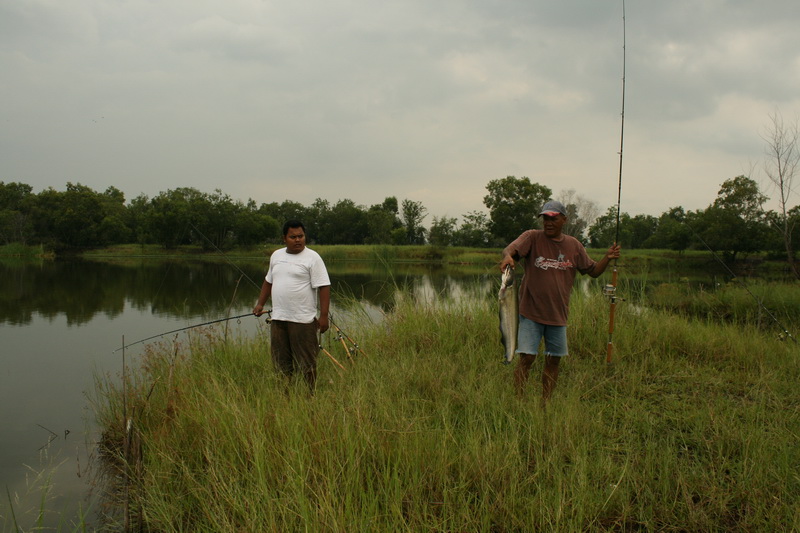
x=735 y=277
x=342 y=335
x=124 y=346
x=610 y=290
x=331 y=357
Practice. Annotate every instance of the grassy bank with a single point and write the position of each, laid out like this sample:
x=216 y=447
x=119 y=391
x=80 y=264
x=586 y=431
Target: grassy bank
x=693 y=427
x=21 y=251
x=635 y=261
x=766 y=304
x=331 y=253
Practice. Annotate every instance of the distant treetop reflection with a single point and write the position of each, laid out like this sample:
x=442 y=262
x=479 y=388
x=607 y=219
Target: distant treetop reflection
x=191 y=289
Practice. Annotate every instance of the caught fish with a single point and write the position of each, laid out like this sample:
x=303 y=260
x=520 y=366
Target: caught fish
x=509 y=314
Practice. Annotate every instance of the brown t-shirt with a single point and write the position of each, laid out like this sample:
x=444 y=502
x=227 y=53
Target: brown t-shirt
x=550 y=268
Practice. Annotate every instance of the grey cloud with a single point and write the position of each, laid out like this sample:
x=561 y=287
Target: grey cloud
x=382 y=97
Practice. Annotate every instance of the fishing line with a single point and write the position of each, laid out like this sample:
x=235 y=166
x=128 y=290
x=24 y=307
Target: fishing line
x=169 y=267
x=224 y=256
x=53 y=436
x=736 y=278
x=189 y=327
x=610 y=290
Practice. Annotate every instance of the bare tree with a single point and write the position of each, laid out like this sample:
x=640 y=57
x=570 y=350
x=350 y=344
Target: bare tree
x=581 y=213
x=781 y=167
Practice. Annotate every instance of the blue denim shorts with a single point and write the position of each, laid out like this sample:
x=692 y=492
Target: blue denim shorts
x=531 y=333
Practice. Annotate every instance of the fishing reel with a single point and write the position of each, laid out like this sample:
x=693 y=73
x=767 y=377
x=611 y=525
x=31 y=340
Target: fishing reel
x=610 y=291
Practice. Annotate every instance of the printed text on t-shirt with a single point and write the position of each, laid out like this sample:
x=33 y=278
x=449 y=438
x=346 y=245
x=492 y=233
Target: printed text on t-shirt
x=560 y=263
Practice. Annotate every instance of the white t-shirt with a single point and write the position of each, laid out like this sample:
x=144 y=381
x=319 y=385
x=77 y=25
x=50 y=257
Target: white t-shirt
x=295 y=279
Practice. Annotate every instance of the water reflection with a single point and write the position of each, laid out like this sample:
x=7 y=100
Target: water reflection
x=80 y=290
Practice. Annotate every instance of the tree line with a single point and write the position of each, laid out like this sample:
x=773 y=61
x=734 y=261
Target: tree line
x=734 y=223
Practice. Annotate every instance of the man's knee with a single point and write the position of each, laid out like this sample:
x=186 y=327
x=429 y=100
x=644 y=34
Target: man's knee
x=551 y=361
x=526 y=359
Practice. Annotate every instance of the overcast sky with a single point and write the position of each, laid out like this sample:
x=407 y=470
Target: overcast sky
x=426 y=100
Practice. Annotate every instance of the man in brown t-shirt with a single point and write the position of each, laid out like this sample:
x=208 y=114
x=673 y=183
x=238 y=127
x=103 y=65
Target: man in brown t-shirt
x=551 y=262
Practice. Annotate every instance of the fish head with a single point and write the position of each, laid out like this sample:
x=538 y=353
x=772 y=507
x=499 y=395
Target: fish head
x=507 y=280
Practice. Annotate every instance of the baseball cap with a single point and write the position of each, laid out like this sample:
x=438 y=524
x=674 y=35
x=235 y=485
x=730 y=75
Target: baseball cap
x=553 y=208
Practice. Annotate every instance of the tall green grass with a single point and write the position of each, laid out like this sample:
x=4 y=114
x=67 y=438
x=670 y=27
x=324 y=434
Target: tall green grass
x=693 y=427
x=33 y=506
x=770 y=305
x=22 y=251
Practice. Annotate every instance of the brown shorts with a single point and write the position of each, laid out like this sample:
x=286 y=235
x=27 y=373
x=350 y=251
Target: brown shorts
x=294 y=346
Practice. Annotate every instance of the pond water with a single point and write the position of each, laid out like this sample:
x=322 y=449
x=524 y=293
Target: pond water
x=63 y=323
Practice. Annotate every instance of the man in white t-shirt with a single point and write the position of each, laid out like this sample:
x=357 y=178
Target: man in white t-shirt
x=296 y=278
